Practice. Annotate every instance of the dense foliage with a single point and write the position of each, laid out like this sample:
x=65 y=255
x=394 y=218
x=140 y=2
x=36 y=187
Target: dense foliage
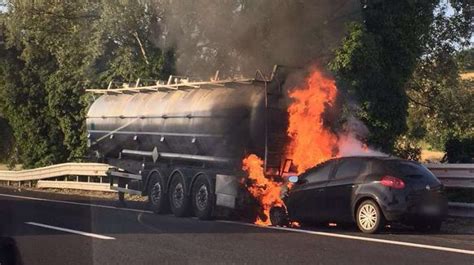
x=460 y=150
x=6 y=141
x=441 y=106
x=377 y=59
x=402 y=66
x=52 y=51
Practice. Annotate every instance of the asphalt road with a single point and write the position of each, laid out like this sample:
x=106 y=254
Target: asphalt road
x=62 y=229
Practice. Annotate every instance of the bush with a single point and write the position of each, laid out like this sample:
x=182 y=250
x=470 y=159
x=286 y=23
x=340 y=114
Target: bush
x=404 y=148
x=459 y=150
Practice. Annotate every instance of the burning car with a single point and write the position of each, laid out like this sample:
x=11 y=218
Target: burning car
x=370 y=191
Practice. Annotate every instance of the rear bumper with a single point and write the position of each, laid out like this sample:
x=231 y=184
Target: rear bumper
x=414 y=217
x=417 y=209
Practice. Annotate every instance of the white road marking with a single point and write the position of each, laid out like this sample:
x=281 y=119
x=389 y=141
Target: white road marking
x=368 y=239
x=71 y=231
x=75 y=203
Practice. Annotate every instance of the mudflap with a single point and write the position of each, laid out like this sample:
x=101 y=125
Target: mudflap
x=227 y=190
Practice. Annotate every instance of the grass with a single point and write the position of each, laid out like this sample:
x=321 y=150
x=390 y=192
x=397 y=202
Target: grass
x=431 y=156
x=5 y=167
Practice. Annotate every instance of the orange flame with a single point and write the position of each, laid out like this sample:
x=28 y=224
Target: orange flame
x=267 y=192
x=311 y=143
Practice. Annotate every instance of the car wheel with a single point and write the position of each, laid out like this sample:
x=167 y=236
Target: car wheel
x=279 y=216
x=203 y=198
x=157 y=199
x=369 y=218
x=179 y=202
x=430 y=227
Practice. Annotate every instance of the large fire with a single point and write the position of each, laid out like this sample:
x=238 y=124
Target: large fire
x=267 y=192
x=311 y=143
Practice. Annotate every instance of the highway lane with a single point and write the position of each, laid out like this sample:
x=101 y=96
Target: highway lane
x=140 y=237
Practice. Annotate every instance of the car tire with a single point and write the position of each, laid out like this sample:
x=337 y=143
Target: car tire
x=369 y=217
x=279 y=216
x=157 y=199
x=179 y=201
x=430 y=227
x=203 y=198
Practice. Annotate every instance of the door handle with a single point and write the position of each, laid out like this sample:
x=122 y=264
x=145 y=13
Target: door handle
x=320 y=190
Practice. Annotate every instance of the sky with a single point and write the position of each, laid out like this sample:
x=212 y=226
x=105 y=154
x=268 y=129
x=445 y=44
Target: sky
x=450 y=12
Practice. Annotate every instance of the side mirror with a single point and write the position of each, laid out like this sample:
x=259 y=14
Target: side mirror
x=293 y=179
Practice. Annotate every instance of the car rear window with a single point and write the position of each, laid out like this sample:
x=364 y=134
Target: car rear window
x=407 y=169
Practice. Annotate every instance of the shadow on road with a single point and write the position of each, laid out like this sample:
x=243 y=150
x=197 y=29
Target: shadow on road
x=9 y=253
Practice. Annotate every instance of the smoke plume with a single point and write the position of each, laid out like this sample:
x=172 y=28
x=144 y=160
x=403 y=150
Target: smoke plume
x=352 y=139
x=240 y=36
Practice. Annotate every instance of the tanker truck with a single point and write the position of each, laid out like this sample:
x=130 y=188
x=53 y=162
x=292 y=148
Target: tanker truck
x=181 y=143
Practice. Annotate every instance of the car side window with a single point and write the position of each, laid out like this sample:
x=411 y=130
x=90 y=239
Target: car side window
x=378 y=167
x=350 y=168
x=320 y=173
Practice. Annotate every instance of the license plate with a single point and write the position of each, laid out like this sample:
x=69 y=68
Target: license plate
x=430 y=209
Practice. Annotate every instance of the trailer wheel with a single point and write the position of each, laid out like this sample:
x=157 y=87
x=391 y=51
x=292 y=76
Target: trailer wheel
x=202 y=198
x=157 y=199
x=179 y=202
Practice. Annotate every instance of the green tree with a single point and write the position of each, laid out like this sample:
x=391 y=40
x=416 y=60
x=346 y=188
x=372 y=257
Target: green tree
x=466 y=59
x=441 y=103
x=377 y=59
x=56 y=49
x=128 y=44
x=24 y=103
x=6 y=140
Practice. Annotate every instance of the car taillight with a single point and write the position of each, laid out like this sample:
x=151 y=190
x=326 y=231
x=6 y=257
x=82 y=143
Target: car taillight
x=392 y=182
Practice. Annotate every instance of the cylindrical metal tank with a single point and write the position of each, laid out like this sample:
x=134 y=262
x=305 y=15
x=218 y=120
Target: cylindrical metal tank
x=219 y=121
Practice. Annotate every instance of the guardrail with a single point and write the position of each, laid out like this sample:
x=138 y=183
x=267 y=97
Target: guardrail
x=90 y=186
x=59 y=170
x=451 y=175
x=454 y=175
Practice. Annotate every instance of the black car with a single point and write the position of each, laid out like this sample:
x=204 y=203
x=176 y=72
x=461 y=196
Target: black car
x=369 y=191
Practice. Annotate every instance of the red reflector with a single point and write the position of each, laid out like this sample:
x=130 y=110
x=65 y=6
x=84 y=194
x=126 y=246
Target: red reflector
x=392 y=182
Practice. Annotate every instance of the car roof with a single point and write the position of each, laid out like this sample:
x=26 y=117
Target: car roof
x=387 y=157
x=373 y=157
x=380 y=158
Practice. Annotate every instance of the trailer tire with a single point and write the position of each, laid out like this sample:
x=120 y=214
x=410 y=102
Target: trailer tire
x=203 y=198
x=179 y=201
x=157 y=198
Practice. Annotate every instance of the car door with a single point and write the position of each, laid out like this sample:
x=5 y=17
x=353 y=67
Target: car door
x=340 y=187
x=306 y=200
